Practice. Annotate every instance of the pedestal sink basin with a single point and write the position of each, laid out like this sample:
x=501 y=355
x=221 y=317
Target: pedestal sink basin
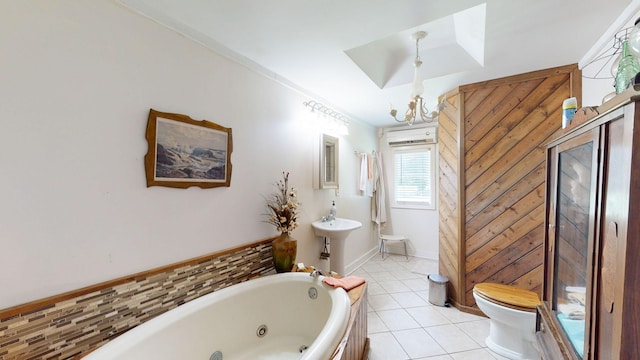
x=337 y=231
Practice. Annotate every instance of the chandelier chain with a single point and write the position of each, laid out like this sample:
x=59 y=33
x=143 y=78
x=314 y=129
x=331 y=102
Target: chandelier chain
x=416 y=108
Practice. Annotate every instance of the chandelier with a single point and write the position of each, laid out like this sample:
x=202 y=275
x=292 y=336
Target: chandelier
x=417 y=109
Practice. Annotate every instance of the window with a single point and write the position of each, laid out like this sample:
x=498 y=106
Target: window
x=414 y=177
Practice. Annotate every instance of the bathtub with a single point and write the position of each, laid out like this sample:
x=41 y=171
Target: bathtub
x=283 y=316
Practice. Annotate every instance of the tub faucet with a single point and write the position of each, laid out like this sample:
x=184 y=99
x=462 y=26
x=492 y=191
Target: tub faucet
x=316 y=272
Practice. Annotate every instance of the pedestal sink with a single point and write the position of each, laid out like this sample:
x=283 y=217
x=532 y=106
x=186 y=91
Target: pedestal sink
x=337 y=231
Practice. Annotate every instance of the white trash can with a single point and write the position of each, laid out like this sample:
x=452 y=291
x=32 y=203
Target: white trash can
x=438 y=289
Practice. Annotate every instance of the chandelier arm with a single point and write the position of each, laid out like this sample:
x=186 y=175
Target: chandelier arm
x=410 y=115
x=424 y=111
x=393 y=112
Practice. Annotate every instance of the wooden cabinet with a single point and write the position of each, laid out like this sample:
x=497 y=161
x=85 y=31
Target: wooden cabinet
x=591 y=301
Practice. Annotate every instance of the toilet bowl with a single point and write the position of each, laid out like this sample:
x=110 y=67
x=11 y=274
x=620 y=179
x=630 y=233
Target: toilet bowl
x=512 y=316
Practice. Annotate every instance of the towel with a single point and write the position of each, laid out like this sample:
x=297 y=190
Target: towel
x=378 y=202
x=368 y=190
x=347 y=282
x=364 y=171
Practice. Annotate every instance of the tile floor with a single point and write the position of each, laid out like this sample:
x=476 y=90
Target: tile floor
x=403 y=324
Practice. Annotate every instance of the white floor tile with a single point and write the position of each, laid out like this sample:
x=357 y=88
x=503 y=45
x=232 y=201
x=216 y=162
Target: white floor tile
x=408 y=299
x=427 y=316
x=361 y=273
x=374 y=288
x=477 y=354
x=452 y=339
x=419 y=284
x=391 y=266
x=382 y=276
x=375 y=324
x=477 y=330
x=424 y=266
x=372 y=267
x=424 y=294
x=398 y=319
x=383 y=302
x=496 y=356
x=394 y=286
x=418 y=343
x=384 y=346
x=405 y=274
x=455 y=316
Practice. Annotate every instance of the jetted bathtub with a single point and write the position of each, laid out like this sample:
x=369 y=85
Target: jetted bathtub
x=283 y=316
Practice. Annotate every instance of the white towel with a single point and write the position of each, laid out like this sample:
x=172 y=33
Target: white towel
x=370 y=168
x=378 y=202
x=364 y=172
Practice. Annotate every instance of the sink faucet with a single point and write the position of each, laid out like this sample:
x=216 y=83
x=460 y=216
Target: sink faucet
x=332 y=213
x=329 y=217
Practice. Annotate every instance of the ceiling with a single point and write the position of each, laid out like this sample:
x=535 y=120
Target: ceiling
x=356 y=56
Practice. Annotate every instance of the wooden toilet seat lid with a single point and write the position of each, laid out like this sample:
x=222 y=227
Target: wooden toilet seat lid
x=507 y=295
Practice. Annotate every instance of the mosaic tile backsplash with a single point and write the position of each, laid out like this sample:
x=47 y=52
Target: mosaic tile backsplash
x=72 y=325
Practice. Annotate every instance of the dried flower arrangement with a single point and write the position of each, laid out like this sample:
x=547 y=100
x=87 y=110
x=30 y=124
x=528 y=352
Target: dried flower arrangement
x=282 y=206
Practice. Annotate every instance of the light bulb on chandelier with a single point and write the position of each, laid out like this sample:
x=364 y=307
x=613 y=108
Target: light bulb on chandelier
x=416 y=105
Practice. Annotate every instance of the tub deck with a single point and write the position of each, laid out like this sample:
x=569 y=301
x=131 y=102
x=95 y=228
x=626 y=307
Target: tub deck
x=355 y=343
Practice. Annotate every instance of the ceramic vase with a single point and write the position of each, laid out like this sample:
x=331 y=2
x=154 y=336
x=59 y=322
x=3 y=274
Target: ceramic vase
x=284 y=250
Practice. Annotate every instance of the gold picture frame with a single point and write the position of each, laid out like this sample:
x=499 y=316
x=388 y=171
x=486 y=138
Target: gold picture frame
x=184 y=152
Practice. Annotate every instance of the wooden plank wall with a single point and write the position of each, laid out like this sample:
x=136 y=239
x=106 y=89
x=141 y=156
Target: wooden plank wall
x=502 y=128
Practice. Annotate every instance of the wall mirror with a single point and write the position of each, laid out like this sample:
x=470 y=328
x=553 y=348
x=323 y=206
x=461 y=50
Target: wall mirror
x=328 y=164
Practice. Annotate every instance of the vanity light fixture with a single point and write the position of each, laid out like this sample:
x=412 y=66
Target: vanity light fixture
x=334 y=122
x=417 y=109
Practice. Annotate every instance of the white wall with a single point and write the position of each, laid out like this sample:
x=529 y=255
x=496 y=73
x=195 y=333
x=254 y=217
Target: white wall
x=419 y=225
x=77 y=79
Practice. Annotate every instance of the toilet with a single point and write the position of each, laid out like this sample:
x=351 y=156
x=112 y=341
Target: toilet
x=512 y=314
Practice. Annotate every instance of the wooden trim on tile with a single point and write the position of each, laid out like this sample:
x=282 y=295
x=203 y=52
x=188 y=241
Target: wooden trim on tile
x=470 y=310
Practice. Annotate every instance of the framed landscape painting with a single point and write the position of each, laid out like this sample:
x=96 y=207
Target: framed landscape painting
x=184 y=152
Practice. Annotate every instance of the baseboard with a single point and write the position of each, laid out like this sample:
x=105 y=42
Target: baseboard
x=469 y=309
x=429 y=255
x=353 y=266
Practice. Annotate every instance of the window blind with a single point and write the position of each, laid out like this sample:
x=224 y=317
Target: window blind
x=412 y=168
